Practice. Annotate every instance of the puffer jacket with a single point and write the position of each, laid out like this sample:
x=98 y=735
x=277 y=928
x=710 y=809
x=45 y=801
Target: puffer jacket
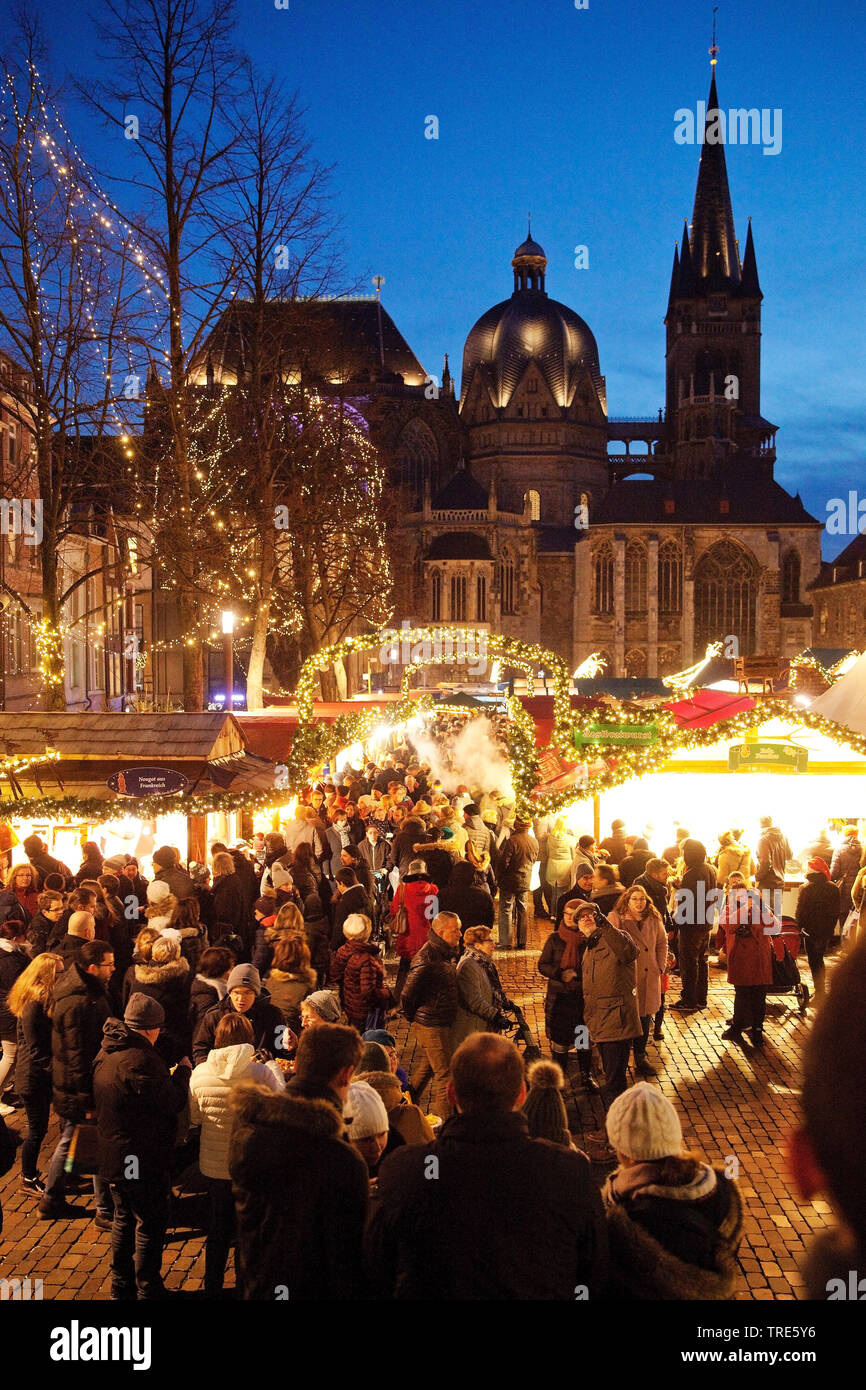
x=419 y=895
x=81 y=1007
x=479 y=835
x=558 y=861
x=430 y=996
x=269 y=1028
x=137 y=1105
x=358 y=972
x=609 y=982
x=734 y=859
x=210 y=1087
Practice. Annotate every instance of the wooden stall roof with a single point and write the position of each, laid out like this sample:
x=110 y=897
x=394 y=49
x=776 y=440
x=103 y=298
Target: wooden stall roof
x=138 y=738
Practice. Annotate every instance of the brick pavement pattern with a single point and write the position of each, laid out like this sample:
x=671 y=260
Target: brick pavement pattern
x=736 y=1107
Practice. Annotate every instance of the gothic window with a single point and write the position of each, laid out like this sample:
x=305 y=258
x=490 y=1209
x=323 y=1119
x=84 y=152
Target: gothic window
x=725 y=596
x=635 y=578
x=791 y=577
x=635 y=663
x=418 y=459
x=437 y=595
x=602 y=579
x=670 y=578
x=668 y=660
x=481 y=598
x=418 y=578
x=534 y=499
x=823 y=622
x=506 y=583
x=532 y=385
x=701 y=427
x=458 y=598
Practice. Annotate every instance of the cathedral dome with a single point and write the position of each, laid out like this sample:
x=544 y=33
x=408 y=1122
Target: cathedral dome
x=530 y=325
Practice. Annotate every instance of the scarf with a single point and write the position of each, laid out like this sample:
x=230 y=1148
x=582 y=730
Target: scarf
x=572 y=938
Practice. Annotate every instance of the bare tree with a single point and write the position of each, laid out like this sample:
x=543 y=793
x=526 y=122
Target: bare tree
x=282 y=245
x=172 y=71
x=66 y=304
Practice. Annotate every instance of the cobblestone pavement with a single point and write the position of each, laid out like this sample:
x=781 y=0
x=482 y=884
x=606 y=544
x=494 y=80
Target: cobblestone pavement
x=735 y=1104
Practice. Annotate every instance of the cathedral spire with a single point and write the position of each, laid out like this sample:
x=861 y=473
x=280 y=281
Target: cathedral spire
x=713 y=242
x=750 y=283
x=686 y=285
x=675 y=277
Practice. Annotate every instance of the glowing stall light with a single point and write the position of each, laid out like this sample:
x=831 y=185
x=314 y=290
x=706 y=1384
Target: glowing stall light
x=349 y=756
x=590 y=668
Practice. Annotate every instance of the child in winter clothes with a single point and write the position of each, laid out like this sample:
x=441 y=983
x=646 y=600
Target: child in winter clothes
x=358 y=973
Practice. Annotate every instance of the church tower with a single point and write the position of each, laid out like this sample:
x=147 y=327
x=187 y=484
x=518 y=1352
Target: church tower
x=713 y=323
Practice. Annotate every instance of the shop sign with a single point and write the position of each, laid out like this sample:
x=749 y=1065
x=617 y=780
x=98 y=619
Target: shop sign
x=634 y=735
x=147 y=781
x=767 y=757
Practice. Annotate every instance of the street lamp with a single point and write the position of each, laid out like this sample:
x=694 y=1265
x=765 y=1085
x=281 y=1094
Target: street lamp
x=228 y=658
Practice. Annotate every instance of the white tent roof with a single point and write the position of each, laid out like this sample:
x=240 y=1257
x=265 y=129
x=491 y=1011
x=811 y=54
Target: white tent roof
x=845 y=701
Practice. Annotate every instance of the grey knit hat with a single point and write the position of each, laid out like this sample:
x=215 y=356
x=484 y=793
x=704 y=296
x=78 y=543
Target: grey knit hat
x=325 y=1003
x=245 y=977
x=143 y=1013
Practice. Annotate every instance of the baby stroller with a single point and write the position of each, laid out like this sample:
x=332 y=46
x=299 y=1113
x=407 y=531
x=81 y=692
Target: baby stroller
x=786 y=973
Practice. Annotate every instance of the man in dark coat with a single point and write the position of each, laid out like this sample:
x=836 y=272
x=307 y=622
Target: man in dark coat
x=484 y=1212
x=581 y=892
x=773 y=853
x=438 y=863
x=817 y=915
x=635 y=862
x=430 y=1000
x=246 y=996
x=137 y=1106
x=81 y=927
x=301 y=1192
x=615 y=846
x=166 y=862
x=81 y=1006
x=463 y=896
x=514 y=872
x=653 y=881
x=350 y=897
x=43 y=924
x=402 y=853
x=693 y=916
x=42 y=862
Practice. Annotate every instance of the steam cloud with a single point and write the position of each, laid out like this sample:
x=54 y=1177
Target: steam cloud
x=477 y=758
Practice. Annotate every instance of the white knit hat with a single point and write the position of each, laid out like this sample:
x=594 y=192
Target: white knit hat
x=364 y=1111
x=357 y=927
x=158 y=891
x=643 y=1124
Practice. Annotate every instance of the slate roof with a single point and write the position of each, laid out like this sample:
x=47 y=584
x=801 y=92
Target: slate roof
x=845 y=567
x=463 y=492
x=330 y=338
x=751 y=502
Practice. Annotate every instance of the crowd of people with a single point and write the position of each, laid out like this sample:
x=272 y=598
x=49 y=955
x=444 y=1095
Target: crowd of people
x=237 y=1016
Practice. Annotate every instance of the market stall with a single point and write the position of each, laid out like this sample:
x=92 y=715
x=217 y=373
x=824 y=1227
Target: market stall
x=128 y=782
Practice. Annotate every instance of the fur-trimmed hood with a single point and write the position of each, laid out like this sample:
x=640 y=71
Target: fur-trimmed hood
x=643 y=1268
x=258 y=1109
x=159 y=974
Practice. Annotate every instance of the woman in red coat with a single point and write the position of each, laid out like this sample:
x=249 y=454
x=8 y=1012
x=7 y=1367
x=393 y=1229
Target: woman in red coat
x=420 y=898
x=748 y=925
x=20 y=881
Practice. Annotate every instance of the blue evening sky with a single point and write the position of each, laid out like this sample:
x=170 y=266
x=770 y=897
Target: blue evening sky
x=570 y=113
